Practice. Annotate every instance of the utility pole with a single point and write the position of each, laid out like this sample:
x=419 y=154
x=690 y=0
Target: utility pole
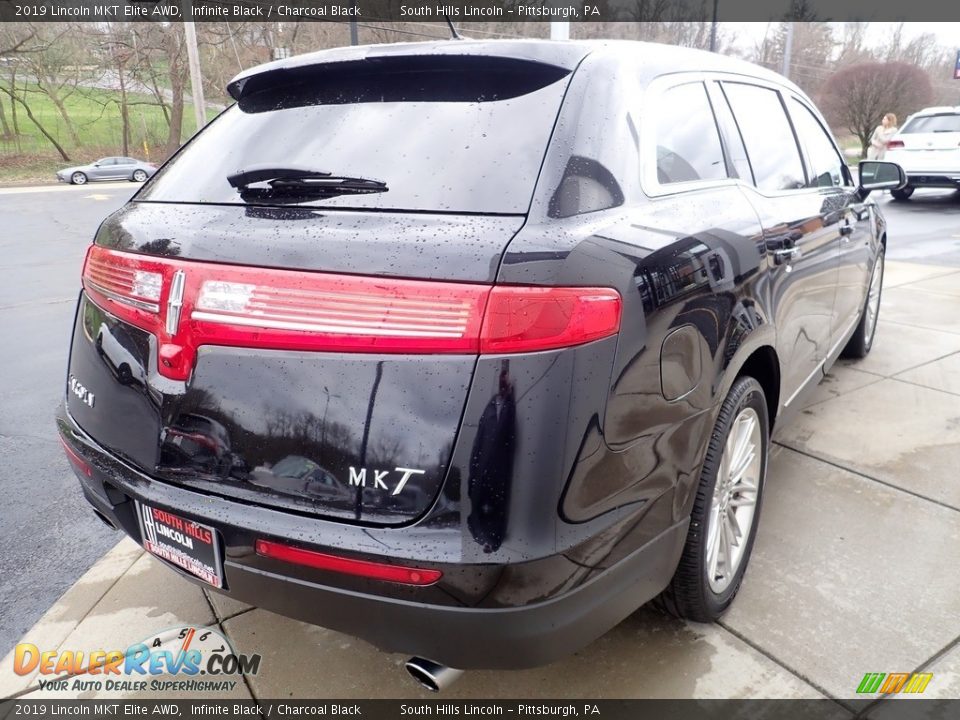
x=713 y=27
x=354 y=35
x=559 y=30
x=193 y=59
x=787 y=51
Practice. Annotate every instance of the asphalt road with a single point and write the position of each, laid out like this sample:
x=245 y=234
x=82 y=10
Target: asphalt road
x=48 y=536
x=924 y=229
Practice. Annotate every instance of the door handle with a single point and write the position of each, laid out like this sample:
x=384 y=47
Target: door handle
x=782 y=256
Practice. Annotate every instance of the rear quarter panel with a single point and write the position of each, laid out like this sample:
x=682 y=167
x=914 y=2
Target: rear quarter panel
x=691 y=268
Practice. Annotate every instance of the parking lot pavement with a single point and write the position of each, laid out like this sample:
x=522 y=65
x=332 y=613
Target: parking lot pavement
x=842 y=567
x=926 y=226
x=853 y=570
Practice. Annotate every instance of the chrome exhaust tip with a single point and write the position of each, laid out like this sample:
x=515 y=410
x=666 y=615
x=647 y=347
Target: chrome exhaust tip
x=433 y=676
x=104 y=519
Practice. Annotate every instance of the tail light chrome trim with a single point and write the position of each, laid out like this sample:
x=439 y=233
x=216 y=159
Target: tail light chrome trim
x=207 y=303
x=175 y=302
x=126 y=300
x=125 y=282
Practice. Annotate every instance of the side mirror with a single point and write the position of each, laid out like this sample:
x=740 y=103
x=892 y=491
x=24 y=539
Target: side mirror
x=96 y=164
x=879 y=175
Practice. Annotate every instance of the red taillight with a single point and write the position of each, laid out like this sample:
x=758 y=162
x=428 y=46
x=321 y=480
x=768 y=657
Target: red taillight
x=190 y=304
x=74 y=457
x=124 y=279
x=894 y=144
x=295 y=310
x=525 y=319
x=361 y=568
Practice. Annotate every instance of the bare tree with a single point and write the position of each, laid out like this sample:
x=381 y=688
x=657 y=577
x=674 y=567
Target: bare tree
x=46 y=133
x=19 y=41
x=921 y=50
x=857 y=97
x=51 y=61
x=810 y=62
x=11 y=42
x=851 y=44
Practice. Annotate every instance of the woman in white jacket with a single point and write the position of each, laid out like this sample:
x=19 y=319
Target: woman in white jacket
x=881 y=136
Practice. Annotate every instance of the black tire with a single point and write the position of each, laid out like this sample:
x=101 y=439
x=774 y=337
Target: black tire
x=902 y=193
x=138 y=176
x=689 y=594
x=78 y=178
x=861 y=341
x=124 y=374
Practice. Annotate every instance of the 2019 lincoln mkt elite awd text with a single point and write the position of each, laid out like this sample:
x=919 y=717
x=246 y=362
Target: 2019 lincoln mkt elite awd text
x=470 y=349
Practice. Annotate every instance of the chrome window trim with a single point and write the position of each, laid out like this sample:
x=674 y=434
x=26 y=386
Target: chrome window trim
x=654 y=91
x=826 y=129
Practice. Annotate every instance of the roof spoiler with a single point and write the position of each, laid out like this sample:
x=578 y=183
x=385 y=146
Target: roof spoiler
x=564 y=56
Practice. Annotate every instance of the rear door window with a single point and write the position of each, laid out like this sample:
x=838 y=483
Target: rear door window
x=771 y=145
x=688 y=143
x=732 y=139
x=933 y=123
x=460 y=134
x=826 y=165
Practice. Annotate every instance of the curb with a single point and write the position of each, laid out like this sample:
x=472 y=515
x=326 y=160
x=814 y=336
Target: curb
x=63 y=187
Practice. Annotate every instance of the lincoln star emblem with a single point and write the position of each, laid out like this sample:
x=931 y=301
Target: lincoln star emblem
x=175 y=302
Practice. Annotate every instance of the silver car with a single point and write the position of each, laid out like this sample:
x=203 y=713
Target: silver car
x=108 y=168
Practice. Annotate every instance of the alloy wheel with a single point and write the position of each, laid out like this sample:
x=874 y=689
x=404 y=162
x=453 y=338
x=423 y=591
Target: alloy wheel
x=873 y=300
x=734 y=503
x=78 y=178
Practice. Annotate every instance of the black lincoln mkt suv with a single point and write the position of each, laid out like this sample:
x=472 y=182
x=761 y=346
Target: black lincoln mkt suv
x=470 y=349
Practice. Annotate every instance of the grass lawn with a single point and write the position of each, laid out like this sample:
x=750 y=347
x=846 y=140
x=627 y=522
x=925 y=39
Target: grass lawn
x=95 y=114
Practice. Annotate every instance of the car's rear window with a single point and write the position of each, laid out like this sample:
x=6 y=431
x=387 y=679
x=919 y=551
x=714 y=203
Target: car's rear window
x=933 y=123
x=450 y=134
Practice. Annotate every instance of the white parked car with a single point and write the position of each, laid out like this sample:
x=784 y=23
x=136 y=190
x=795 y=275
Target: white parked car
x=928 y=149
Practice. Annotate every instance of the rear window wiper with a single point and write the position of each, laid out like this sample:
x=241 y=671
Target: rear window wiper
x=296 y=182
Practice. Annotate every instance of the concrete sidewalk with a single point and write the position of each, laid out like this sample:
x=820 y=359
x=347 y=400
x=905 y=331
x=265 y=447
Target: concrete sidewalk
x=855 y=568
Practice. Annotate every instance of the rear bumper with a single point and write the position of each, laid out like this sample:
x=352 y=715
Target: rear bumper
x=469 y=638
x=933 y=179
x=457 y=635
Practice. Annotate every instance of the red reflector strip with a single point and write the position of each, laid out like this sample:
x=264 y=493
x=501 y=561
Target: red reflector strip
x=893 y=144
x=361 y=568
x=74 y=457
x=188 y=304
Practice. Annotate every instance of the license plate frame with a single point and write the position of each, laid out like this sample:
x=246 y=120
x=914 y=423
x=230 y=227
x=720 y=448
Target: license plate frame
x=191 y=547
